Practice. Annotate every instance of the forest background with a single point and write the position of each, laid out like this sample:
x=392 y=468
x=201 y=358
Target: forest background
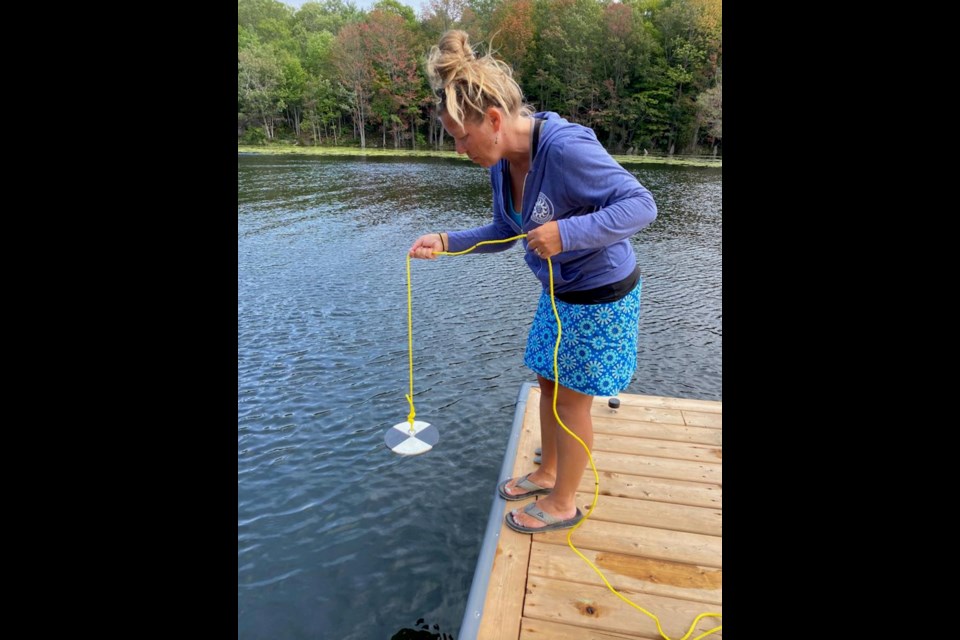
x=646 y=75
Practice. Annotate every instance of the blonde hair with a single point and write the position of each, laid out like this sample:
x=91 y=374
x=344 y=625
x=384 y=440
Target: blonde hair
x=466 y=86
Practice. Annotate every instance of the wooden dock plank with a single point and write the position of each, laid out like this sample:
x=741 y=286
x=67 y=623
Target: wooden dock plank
x=503 y=606
x=658 y=467
x=703 y=419
x=657 y=448
x=629 y=410
x=656 y=533
x=649 y=513
x=657 y=415
x=531 y=629
x=683 y=404
x=633 y=573
x=625 y=485
x=670 y=432
x=649 y=421
x=504 y=602
x=660 y=544
x=581 y=605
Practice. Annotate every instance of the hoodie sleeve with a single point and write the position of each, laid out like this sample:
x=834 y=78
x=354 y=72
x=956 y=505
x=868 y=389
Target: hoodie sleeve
x=499 y=229
x=460 y=240
x=593 y=179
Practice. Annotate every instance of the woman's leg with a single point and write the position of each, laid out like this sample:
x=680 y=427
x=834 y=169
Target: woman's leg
x=564 y=459
x=546 y=474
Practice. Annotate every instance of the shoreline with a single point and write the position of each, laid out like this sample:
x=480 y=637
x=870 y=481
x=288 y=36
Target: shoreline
x=277 y=150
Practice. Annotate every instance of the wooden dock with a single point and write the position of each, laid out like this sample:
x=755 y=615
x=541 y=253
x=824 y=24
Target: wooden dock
x=656 y=533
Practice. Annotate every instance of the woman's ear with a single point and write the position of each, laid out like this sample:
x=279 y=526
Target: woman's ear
x=496 y=118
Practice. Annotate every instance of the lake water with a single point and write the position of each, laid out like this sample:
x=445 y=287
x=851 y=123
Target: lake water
x=338 y=537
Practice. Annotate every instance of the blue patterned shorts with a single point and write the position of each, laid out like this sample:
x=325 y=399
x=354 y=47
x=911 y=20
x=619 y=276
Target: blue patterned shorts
x=598 y=348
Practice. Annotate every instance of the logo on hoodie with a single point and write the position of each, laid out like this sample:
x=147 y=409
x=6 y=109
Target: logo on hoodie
x=543 y=210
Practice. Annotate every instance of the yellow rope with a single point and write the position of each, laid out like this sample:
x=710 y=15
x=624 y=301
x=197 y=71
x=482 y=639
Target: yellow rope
x=413 y=411
x=593 y=466
x=596 y=486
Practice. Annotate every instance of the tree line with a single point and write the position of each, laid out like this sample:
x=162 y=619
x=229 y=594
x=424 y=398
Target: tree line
x=644 y=74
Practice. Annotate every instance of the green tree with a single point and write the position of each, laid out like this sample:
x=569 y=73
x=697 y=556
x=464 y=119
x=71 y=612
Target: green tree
x=623 y=64
x=355 y=72
x=512 y=31
x=269 y=19
x=645 y=74
x=290 y=93
x=258 y=77
x=398 y=86
x=563 y=55
x=710 y=112
x=709 y=23
x=440 y=16
x=329 y=15
x=396 y=7
x=318 y=54
x=652 y=112
x=483 y=11
x=324 y=104
x=686 y=28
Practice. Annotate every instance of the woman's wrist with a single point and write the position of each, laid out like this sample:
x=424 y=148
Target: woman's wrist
x=443 y=241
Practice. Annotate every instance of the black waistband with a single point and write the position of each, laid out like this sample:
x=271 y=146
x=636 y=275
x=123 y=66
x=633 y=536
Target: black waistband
x=606 y=293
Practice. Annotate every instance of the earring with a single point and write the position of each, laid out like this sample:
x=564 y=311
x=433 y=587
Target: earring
x=496 y=140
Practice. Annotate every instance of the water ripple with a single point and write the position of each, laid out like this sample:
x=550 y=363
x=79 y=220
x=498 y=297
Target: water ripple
x=337 y=537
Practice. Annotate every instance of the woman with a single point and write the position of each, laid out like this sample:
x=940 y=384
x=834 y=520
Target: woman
x=553 y=181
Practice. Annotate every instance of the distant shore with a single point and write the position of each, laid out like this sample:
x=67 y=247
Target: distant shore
x=278 y=150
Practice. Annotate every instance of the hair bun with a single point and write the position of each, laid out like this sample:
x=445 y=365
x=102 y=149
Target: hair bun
x=450 y=59
x=457 y=44
x=467 y=84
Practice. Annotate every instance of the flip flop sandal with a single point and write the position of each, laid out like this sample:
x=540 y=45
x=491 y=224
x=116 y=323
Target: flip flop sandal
x=552 y=523
x=533 y=489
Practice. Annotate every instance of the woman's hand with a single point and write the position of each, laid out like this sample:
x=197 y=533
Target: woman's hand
x=427 y=246
x=545 y=241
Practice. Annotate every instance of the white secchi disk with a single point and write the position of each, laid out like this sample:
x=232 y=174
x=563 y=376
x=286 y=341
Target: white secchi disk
x=399 y=439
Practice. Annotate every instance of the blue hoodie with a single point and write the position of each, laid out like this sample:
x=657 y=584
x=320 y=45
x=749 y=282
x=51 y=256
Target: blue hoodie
x=597 y=205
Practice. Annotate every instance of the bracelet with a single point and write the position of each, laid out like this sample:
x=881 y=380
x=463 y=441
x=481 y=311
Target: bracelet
x=442 y=243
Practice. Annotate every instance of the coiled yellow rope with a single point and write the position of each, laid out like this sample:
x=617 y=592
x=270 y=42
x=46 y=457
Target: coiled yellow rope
x=556 y=385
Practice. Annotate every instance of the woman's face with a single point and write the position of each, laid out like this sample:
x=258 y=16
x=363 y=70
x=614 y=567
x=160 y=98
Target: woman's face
x=474 y=138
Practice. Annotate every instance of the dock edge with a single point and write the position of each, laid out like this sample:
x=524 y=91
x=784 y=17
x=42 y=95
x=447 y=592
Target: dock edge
x=470 y=624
